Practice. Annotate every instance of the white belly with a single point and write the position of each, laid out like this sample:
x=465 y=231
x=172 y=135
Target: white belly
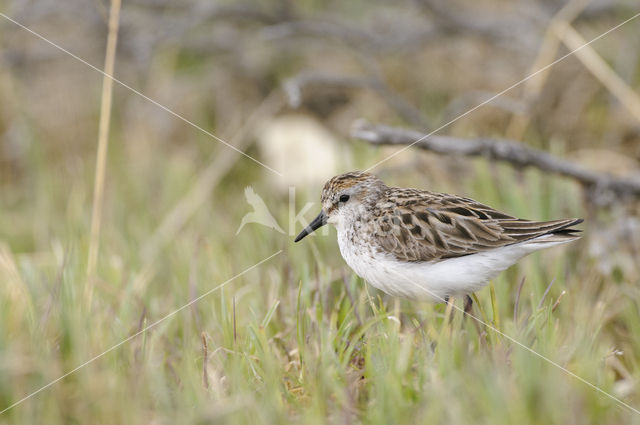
x=431 y=280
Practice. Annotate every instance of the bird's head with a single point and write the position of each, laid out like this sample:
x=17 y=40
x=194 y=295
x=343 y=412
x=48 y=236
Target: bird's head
x=344 y=198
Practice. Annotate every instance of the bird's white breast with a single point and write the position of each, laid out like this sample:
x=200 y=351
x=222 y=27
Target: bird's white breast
x=429 y=280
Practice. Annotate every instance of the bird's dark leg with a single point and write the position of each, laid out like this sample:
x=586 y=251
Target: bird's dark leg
x=449 y=306
x=468 y=304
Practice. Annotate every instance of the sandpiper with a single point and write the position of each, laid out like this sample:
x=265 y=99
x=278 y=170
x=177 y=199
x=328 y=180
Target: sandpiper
x=425 y=245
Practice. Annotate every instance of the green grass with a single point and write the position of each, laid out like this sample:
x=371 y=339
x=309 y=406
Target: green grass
x=299 y=339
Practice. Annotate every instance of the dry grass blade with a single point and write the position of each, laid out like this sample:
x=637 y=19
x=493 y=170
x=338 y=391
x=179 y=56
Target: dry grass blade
x=13 y=286
x=600 y=69
x=548 y=50
x=103 y=140
x=235 y=329
x=494 y=305
x=517 y=302
x=557 y=303
x=205 y=359
x=546 y=292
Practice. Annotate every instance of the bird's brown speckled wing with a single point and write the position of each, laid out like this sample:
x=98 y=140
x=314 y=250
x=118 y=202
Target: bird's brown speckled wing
x=417 y=225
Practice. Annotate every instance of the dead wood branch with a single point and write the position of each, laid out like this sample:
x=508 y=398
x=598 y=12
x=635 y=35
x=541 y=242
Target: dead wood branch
x=603 y=188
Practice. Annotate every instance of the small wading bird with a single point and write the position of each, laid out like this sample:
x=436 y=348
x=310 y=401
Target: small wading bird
x=425 y=245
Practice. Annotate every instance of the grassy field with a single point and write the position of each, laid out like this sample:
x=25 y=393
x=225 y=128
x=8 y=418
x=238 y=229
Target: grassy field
x=298 y=338
x=192 y=321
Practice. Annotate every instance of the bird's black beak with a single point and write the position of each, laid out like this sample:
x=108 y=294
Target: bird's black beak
x=317 y=222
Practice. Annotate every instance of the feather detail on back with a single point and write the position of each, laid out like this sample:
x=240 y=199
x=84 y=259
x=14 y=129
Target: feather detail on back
x=414 y=225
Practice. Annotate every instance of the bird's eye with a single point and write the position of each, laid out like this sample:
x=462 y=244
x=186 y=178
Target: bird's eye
x=344 y=198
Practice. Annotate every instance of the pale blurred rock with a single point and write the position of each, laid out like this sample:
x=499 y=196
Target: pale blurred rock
x=302 y=149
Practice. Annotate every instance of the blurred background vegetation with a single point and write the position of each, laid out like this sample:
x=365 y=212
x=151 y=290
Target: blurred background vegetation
x=300 y=339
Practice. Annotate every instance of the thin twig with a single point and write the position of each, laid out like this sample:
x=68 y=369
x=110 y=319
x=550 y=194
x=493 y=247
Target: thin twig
x=103 y=139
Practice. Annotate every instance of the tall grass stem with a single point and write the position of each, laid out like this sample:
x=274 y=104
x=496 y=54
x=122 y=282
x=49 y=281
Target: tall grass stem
x=103 y=141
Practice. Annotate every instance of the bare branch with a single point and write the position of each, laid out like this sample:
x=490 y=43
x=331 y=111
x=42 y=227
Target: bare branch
x=604 y=187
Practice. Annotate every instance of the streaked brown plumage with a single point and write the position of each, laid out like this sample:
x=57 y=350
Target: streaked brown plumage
x=395 y=226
